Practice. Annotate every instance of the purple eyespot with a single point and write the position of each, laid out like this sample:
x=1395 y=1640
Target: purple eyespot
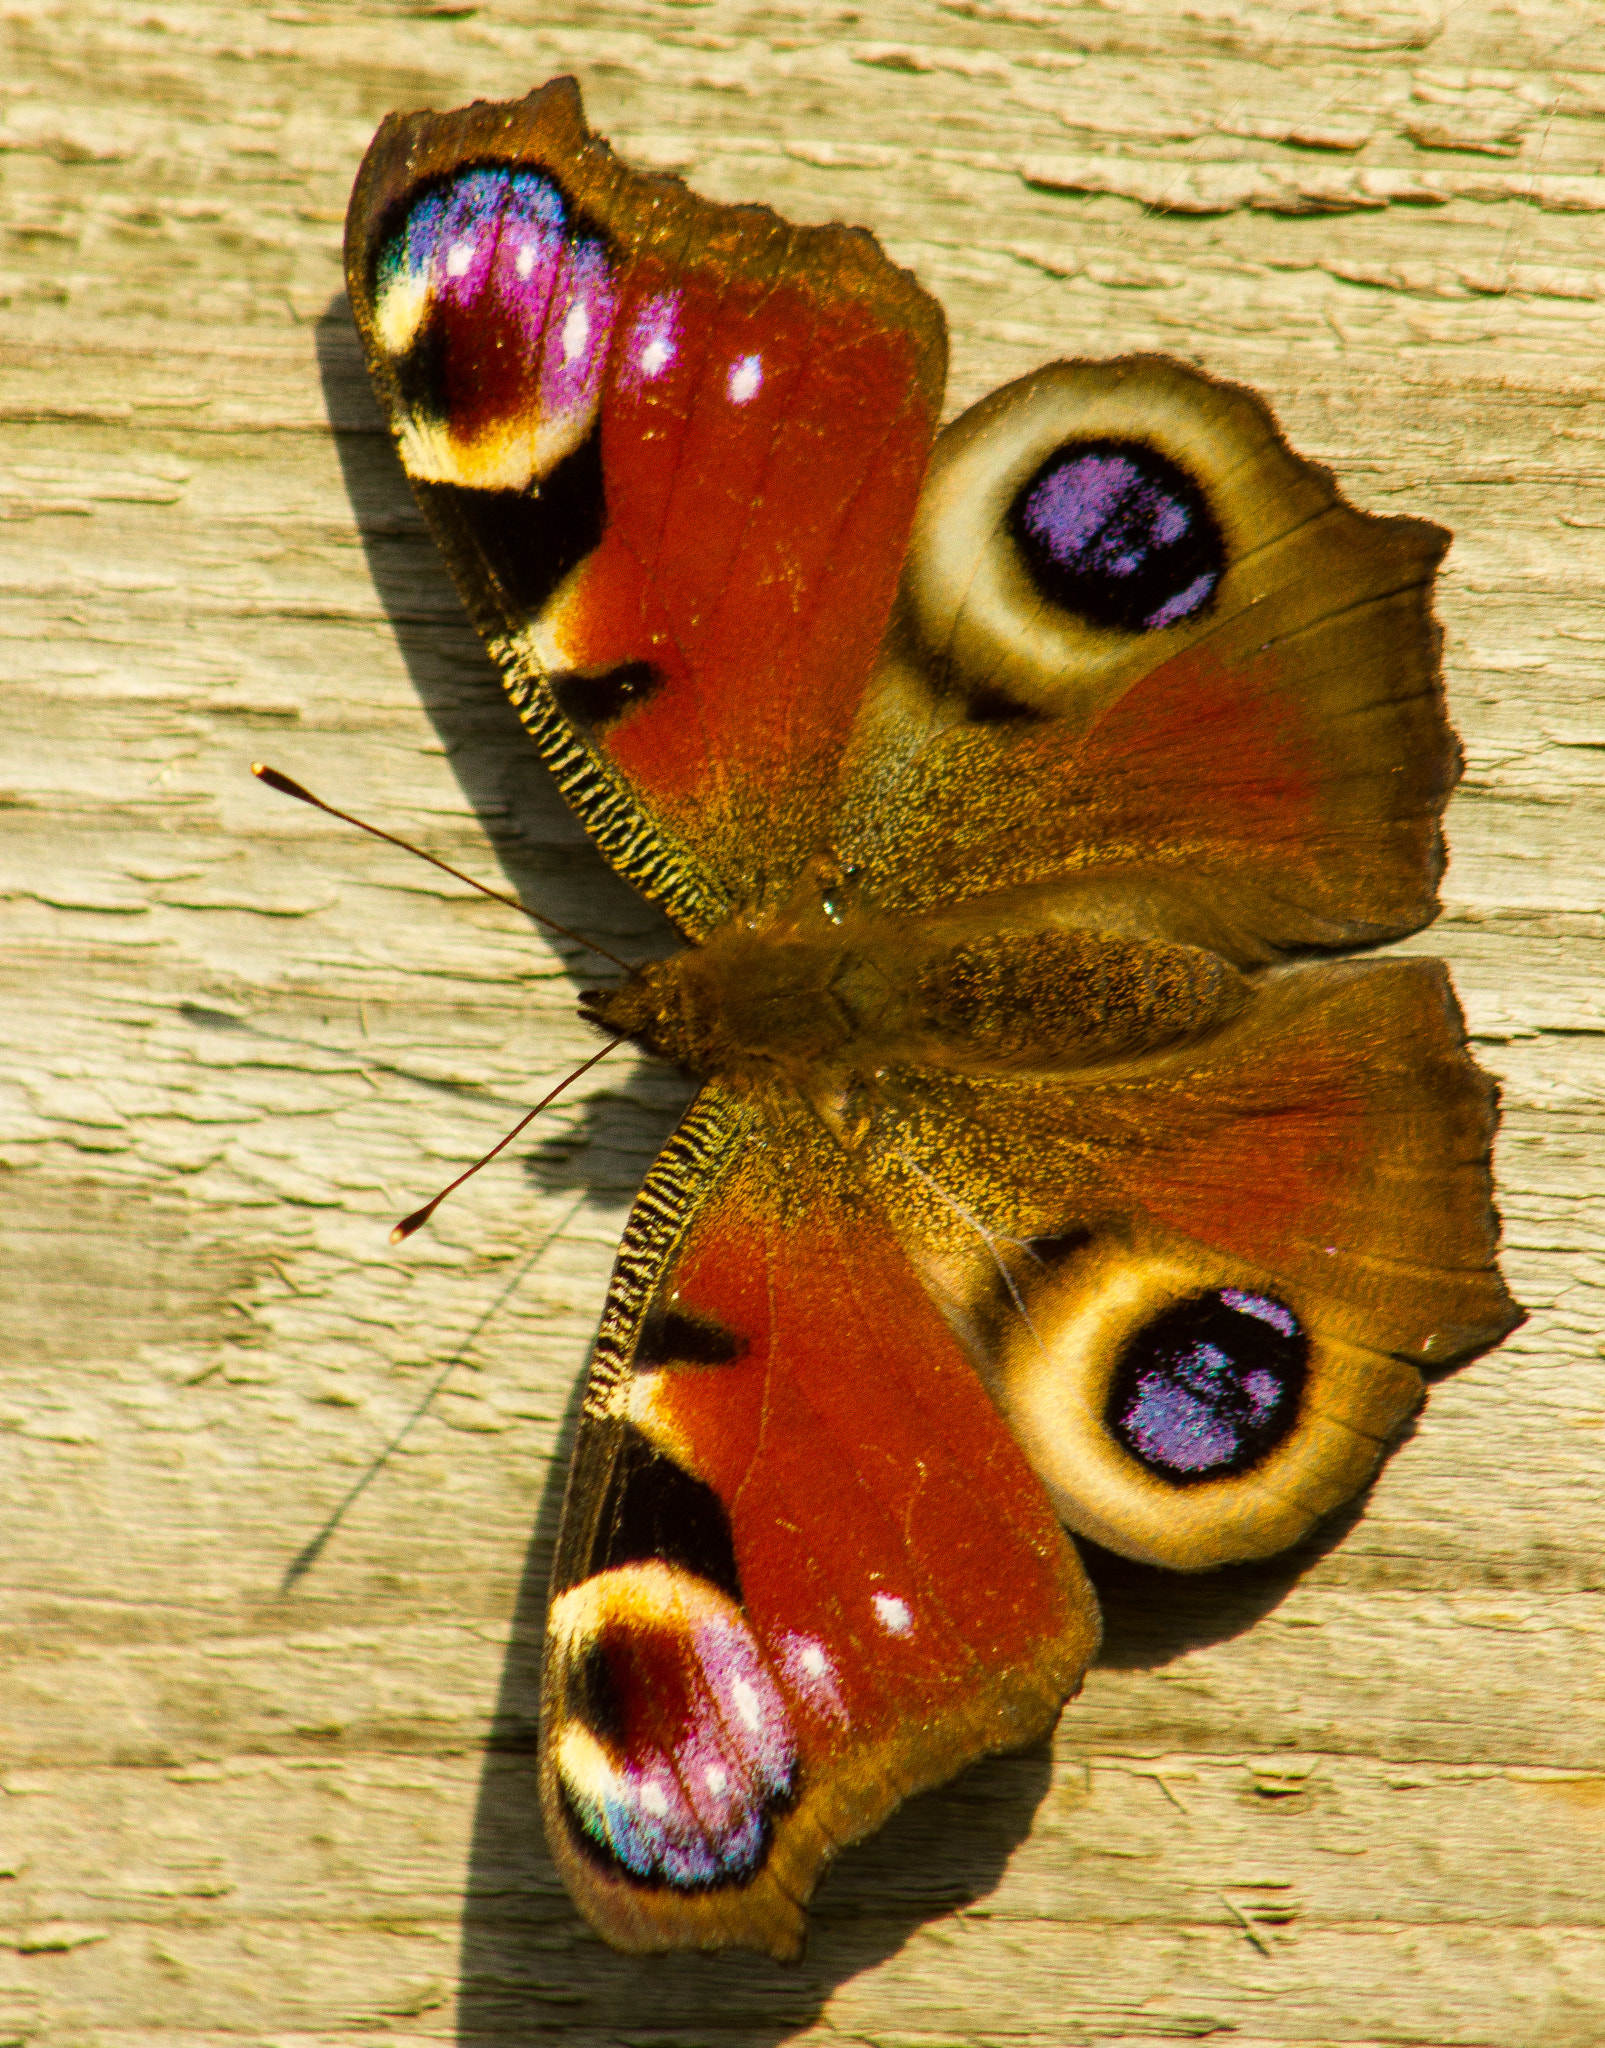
x=578 y=325
x=1119 y=534
x=495 y=228
x=673 y=1751
x=1210 y=1386
x=495 y=304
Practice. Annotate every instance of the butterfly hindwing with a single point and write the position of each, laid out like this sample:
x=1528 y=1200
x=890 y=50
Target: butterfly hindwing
x=1204 y=1282
x=804 y=1570
x=1150 y=666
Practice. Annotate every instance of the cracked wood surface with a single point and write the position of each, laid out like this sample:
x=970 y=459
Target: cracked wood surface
x=267 y=1706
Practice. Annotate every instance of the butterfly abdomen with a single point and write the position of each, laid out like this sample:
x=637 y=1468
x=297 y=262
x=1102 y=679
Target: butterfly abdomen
x=1049 y=999
x=827 y=992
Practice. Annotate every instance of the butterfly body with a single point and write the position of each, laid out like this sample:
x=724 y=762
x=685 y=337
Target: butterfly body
x=1013 y=787
x=825 y=995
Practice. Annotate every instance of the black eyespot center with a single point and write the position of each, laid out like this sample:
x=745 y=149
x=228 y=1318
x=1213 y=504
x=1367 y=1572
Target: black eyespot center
x=1209 y=1386
x=1119 y=534
x=591 y=1695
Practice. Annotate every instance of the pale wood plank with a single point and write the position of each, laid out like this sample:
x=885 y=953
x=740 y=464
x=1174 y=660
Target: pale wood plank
x=1357 y=1805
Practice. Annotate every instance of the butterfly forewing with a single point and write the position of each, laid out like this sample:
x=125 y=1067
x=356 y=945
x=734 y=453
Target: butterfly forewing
x=728 y=420
x=804 y=1569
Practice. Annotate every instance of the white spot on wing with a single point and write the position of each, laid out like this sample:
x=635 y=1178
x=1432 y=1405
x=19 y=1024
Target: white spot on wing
x=746 y=379
x=653 y=1798
x=656 y=356
x=716 y=1778
x=524 y=261
x=576 y=331
x=809 y=1671
x=746 y=1703
x=458 y=258
x=893 y=1614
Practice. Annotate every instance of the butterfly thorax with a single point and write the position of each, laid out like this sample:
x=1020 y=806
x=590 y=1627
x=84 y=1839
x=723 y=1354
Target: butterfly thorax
x=828 y=993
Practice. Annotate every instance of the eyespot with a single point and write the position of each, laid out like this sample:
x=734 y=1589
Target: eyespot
x=1120 y=535
x=1087 y=523
x=493 y=308
x=1210 y=1385
x=1187 y=1412
x=671 y=1749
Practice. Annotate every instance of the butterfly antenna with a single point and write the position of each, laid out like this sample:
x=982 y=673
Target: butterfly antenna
x=419 y=1217
x=287 y=786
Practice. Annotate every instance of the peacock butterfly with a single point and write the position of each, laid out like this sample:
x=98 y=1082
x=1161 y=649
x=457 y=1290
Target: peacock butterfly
x=995 y=777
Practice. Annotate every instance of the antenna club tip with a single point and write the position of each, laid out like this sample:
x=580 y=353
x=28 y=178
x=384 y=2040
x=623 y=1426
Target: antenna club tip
x=286 y=785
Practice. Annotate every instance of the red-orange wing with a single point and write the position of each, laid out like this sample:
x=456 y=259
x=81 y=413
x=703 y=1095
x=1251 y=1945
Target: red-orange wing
x=804 y=1570
x=672 y=452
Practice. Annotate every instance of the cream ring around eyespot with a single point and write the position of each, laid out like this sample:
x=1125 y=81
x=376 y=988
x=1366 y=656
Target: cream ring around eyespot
x=1055 y=1385
x=968 y=595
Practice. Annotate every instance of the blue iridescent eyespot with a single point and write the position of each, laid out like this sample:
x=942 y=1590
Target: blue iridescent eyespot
x=1119 y=534
x=673 y=1751
x=494 y=305
x=1210 y=1386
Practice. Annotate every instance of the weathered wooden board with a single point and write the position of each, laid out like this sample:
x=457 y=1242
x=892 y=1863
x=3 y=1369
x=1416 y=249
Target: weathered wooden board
x=1356 y=1798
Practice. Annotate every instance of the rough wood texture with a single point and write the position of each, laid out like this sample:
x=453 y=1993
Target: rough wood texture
x=1356 y=1798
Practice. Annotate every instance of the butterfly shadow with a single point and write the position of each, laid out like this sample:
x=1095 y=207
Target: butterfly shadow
x=528 y=1963
x=1152 y=1616
x=545 y=856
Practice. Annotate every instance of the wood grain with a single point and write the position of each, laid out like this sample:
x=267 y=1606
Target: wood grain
x=269 y=1692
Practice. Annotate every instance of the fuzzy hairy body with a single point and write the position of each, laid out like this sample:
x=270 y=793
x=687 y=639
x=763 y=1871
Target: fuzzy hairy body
x=825 y=994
